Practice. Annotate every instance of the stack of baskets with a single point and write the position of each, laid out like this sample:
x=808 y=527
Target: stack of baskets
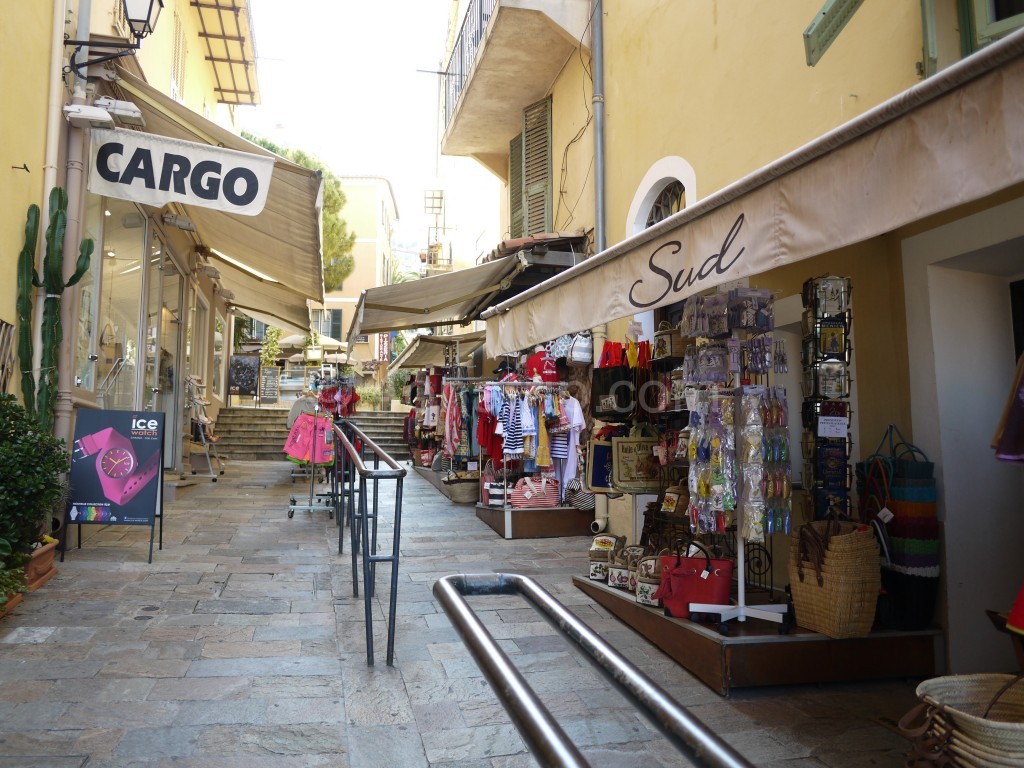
x=834 y=577
x=969 y=720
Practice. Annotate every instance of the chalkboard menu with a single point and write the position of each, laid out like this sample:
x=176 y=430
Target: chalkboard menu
x=270 y=384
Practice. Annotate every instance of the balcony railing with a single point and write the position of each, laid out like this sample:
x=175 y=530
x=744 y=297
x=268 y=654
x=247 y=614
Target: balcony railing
x=464 y=53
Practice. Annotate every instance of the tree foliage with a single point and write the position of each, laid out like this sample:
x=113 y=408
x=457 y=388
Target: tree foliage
x=339 y=262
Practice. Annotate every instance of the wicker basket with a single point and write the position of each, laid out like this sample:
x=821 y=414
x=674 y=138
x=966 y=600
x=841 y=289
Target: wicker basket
x=843 y=604
x=463 y=490
x=968 y=720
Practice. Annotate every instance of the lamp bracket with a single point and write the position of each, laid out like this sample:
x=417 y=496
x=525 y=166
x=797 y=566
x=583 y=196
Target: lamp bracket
x=120 y=49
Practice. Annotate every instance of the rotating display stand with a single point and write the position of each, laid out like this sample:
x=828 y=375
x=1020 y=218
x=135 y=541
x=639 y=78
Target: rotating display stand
x=740 y=611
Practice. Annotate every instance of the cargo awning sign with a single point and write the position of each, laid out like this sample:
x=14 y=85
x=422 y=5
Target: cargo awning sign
x=156 y=170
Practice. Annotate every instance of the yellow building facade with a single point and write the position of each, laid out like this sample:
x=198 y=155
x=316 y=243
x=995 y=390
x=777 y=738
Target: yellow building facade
x=371 y=214
x=149 y=326
x=705 y=104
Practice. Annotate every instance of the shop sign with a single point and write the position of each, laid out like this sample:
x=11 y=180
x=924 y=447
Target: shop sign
x=156 y=170
x=664 y=276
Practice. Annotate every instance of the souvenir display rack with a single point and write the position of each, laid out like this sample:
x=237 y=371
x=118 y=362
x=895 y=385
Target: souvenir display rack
x=826 y=355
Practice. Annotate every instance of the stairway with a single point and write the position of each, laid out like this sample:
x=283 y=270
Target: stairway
x=386 y=429
x=259 y=434
x=252 y=434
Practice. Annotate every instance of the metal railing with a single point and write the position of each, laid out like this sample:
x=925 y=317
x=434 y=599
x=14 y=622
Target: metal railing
x=548 y=743
x=468 y=42
x=351 y=499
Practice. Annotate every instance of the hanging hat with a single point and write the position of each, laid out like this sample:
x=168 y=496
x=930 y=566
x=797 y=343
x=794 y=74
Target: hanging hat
x=503 y=367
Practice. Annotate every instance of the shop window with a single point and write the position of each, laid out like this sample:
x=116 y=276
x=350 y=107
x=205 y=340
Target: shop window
x=120 y=248
x=87 y=292
x=529 y=173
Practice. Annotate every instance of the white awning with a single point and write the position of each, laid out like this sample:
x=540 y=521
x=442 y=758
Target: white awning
x=282 y=243
x=430 y=350
x=439 y=300
x=952 y=139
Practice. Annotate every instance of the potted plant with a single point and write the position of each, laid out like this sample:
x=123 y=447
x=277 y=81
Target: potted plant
x=12 y=580
x=32 y=485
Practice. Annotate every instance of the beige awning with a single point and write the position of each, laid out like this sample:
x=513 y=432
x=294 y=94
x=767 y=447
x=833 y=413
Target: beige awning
x=267 y=302
x=283 y=243
x=430 y=350
x=440 y=300
x=953 y=138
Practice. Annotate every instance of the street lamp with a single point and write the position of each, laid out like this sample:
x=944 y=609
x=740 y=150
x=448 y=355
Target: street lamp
x=141 y=16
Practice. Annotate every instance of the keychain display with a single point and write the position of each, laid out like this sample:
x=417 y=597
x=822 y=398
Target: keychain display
x=826 y=353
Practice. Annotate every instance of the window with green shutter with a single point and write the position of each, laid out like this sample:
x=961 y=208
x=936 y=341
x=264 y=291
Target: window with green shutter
x=515 y=187
x=529 y=177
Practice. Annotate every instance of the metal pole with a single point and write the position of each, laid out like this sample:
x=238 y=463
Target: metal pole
x=545 y=739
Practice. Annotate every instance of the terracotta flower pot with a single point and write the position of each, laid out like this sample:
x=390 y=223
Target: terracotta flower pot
x=40 y=568
x=12 y=601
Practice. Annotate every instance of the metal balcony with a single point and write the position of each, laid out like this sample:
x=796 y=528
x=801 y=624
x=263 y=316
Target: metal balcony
x=507 y=55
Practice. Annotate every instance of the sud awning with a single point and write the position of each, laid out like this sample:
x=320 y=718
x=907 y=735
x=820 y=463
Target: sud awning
x=453 y=298
x=430 y=350
x=954 y=138
x=279 y=248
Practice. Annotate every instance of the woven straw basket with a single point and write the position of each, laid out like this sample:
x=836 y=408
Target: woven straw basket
x=958 y=705
x=843 y=605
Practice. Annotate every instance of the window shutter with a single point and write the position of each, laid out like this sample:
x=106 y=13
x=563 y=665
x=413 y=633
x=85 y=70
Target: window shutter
x=537 y=167
x=335 y=324
x=515 y=187
x=826 y=26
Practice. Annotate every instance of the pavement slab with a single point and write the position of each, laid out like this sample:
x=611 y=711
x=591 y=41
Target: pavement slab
x=242 y=646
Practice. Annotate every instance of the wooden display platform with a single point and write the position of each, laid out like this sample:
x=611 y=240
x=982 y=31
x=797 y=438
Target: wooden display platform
x=755 y=653
x=542 y=523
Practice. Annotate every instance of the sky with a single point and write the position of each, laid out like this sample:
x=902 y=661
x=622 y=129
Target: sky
x=338 y=79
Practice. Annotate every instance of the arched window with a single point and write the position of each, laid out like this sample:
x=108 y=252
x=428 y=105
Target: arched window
x=671 y=199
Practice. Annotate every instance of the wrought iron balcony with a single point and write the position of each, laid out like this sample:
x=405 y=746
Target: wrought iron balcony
x=507 y=54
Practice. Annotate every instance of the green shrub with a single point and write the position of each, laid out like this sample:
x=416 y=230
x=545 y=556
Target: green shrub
x=32 y=479
x=369 y=397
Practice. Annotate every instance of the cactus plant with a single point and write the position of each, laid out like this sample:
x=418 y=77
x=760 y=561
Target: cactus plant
x=43 y=405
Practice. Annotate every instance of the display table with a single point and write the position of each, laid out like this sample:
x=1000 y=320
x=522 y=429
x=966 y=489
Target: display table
x=755 y=653
x=541 y=523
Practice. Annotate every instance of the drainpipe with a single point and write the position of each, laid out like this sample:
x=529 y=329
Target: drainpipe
x=74 y=186
x=50 y=156
x=600 y=332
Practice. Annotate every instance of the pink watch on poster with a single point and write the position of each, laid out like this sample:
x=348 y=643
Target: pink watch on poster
x=121 y=477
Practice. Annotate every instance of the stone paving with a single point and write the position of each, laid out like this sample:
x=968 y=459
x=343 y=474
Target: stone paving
x=242 y=645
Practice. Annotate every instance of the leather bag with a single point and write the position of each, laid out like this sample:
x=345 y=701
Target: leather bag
x=686 y=580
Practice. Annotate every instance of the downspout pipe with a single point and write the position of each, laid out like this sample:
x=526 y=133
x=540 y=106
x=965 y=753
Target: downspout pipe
x=50 y=157
x=600 y=332
x=74 y=185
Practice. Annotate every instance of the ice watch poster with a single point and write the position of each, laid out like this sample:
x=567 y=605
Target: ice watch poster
x=116 y=467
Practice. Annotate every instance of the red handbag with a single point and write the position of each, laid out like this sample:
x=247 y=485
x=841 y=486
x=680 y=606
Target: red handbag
x=686 y=580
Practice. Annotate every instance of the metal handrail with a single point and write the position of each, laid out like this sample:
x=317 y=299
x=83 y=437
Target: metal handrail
x=359 y=517
x=546 y=740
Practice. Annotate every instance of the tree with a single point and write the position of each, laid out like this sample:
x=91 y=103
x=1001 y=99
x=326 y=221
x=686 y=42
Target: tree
x=339 y=262
x=271 y=348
